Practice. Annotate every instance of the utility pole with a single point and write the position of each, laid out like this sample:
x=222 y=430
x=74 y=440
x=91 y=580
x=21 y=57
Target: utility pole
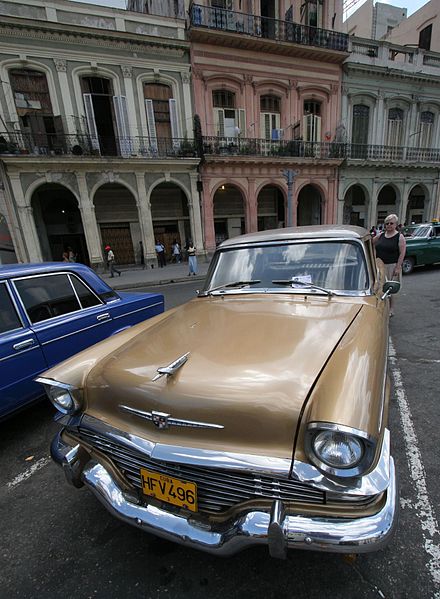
x=289 y=175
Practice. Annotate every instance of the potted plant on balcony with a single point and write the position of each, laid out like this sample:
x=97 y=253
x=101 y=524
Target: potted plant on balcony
x=187 y=148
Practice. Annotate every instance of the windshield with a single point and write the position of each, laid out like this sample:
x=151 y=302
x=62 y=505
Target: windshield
x=332 y=265
x=422 y=231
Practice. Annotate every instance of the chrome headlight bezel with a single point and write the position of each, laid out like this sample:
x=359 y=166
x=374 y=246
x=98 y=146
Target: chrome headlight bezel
x=54 y=390
x=359 y=438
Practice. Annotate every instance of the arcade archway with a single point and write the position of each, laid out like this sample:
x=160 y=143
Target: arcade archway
x=309 y=210
x=270 y=208
x=229 y=218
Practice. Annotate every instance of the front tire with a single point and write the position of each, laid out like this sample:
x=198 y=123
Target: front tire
x=408 y=265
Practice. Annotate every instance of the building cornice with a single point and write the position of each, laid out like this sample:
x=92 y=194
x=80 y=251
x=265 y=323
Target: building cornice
x=75 y=35
x=384 y=72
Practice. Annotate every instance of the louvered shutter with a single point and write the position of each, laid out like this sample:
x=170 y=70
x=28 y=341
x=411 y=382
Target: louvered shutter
x=175 y=129
x=151 y=123
x=91 y=123
x=317 y=128
x=242 y=121
x=219 y=122
x=120 y=105
x=264 y=125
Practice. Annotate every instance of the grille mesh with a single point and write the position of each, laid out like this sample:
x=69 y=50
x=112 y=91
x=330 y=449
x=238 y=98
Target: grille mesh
x=217 y=490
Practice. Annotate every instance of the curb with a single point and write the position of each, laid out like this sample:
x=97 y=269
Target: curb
x=137 y=284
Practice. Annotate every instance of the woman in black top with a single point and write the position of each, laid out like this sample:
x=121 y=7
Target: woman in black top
x=390 y=248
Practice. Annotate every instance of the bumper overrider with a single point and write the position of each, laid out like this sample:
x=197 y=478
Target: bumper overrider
x=275 y=528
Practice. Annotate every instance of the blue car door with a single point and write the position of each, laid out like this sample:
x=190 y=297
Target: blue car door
x=65 y=314
x=21 y=356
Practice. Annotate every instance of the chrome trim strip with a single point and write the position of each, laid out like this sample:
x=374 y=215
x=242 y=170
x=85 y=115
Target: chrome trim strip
x=373 y=483
x=20 y=353
x=53 y=383
x=138 y=310
x=164 y=421
x=92 y=326
x=278 y=530
x=340 y=428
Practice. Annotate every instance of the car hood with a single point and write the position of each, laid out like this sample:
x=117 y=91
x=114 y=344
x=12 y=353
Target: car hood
x=253 y=361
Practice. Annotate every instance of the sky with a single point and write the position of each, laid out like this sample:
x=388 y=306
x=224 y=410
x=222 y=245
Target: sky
x=411 y=5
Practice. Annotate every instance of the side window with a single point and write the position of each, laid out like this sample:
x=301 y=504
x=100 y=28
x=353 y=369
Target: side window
x=47 y=296
x=86 y=297
x=9 y=319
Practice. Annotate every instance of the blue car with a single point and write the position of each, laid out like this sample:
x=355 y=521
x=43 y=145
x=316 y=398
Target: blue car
x=50 y=311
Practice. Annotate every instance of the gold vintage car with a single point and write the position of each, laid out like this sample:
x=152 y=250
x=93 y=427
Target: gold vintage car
x=254 y=414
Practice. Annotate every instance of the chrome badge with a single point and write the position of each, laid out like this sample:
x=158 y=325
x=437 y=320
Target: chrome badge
x=163 y=421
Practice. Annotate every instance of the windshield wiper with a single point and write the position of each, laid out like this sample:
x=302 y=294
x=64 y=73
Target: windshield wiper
x=292 y=283
x=234 y=284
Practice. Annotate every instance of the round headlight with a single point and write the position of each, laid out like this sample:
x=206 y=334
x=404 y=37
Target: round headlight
x=338 y=449
x=61 y=399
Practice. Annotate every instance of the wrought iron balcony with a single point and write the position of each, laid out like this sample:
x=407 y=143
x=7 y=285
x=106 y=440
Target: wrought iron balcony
x=84 y=145
x=222 y=19
x=237 y=146
x=376 y=153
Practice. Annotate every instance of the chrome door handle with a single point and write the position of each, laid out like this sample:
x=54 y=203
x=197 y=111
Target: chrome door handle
x=104 y=316
x=23 y=344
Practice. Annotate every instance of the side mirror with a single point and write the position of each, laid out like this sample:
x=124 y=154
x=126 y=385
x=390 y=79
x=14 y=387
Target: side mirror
x=389 y=288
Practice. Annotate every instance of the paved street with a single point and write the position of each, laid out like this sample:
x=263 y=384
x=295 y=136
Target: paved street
x=58 y=542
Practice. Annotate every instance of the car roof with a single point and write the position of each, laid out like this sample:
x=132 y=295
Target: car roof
x=300 y=233
x=14 y=270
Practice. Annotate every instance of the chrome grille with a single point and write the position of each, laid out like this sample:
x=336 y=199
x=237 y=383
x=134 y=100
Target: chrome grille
x=217 y=490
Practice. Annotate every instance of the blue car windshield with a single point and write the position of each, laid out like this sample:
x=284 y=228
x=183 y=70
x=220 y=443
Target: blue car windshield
x=338 y=266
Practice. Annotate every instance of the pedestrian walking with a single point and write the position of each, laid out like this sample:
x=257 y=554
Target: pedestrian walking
x=177 y=256
x=160 y=251
x=111 y=262
x=192 y=259
x=390 y=248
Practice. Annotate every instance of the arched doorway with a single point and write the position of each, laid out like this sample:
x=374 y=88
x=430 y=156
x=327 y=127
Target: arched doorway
x=417 y=208
x=386 y=203
x=170 y=214
x=309 y=210
x=229 y=219
x=58 y=222
x=7 y=252
x=118 y=220
x=355 y=207
x=270 y=208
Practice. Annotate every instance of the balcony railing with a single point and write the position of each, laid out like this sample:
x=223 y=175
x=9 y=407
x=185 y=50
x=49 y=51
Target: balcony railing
x=391 y=153
x=85 y=145
x=234 y=146
x=265 y=27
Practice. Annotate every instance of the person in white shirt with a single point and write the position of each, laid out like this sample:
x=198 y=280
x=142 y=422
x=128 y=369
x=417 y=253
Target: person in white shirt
x=111 y=262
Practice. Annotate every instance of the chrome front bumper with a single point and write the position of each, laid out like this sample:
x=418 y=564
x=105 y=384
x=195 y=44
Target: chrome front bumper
x=278 y=530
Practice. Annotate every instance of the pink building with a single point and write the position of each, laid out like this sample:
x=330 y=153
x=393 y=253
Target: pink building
x=267 y=88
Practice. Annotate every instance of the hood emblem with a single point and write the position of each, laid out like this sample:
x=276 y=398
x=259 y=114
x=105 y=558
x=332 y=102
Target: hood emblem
x=162 y=420
x=171 y=368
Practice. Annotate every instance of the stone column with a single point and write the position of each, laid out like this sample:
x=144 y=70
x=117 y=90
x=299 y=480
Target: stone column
x=435 y=202
x=381 y=120
x=26 y=220
x=373 y=204
x=404 y=201
x=410 y=132
x=91 y=230
x=208 y=206
x=66 y=95
x=251 y=208
x=188 y=124
x=146 y=221
x=195 y=216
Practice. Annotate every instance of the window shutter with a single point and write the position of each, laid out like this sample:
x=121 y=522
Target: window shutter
x=263 y=125
x=175 y=129
x=151 y=124
x=317 y=128
x=120 y=105
x=306 y=127
x=219 y=121
x=242 y=121
x=91 y=123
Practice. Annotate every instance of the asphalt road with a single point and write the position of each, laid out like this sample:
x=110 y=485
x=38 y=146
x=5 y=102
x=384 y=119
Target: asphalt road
x=58 y=542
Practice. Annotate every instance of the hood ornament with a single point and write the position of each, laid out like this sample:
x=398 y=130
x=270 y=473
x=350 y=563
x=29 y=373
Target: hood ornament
x=171 y=368
x=161 y=420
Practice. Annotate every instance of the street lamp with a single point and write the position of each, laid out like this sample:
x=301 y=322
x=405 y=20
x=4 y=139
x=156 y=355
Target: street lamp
x=289 y=175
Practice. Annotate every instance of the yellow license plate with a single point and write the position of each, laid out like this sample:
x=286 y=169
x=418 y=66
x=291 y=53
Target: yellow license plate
x=169 y=489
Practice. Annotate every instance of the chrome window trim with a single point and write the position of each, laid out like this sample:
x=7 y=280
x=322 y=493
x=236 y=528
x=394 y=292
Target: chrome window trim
x=53 y=383
x=373 y=483
x=101 y=302
x=352 y=240
x=51 y=274
x=92 y=326
x=15 y=306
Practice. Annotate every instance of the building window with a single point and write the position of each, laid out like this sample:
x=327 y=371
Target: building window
x=222 y=98
x=361 y=118
x=270 y=117
x=425 y=38
x=312 y=107
x=425 y=129
x=311 y=129
x=395 y=127
x=161 y=110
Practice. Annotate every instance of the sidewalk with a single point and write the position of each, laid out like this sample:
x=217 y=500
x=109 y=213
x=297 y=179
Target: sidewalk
x=139 y=277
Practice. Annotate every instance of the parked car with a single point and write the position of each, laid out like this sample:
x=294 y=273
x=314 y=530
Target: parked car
x=48 y=312
x=254 y=414
x=423 y=247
